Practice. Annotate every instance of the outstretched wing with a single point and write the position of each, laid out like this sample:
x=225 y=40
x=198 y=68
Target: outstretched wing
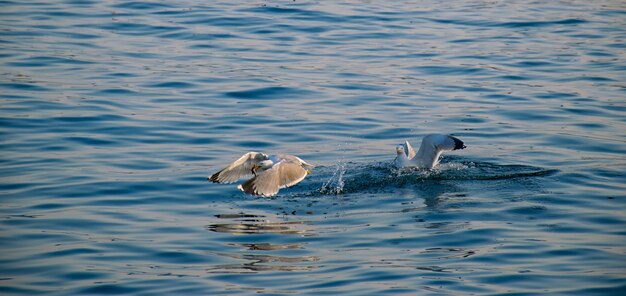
x=285 y=173
x=408 y=150
x=291 y=173
x=446 y=142
x=432 y=147
x=241 y=167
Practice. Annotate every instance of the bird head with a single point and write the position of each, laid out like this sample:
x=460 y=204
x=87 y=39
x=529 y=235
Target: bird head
x=261 y=166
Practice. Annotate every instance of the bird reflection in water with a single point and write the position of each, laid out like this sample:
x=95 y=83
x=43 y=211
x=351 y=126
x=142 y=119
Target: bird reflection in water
x=246 y=224
x=256 y=224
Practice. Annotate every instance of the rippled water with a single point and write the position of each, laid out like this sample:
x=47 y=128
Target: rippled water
x=114 y=112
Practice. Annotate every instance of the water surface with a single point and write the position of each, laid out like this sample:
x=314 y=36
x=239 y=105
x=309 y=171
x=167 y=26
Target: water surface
x=113 y=113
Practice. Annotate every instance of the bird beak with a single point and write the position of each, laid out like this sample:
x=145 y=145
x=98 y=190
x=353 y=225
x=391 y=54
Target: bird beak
x=254 y=168
x=398 y=151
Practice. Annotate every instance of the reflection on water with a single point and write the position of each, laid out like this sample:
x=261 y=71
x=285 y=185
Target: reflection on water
x=259 y=263
x=253 y=224
x=258 y=225
x=271 y=247
x=269 y=227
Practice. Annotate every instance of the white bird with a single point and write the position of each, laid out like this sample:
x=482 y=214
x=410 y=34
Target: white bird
x=271 y=172
x=428 y=155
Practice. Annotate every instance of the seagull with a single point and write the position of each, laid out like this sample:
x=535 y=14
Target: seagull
x=428 y=155
x=270 y=172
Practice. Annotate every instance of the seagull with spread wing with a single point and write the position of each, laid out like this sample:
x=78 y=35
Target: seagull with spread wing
x=430 y=150
x=270 y=172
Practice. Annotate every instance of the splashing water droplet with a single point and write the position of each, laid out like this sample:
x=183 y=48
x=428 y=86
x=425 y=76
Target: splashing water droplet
x=335 y=184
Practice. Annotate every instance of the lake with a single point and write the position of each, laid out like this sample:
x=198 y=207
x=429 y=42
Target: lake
x=113 y=114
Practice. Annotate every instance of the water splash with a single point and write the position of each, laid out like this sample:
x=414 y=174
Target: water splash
x=335 y=184
x=349 y=177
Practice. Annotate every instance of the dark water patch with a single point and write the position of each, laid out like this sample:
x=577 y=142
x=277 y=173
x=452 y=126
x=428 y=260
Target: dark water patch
x=586 y=111
x=19 y=33
x=179 y=257
x=450 y=70
x=300 y=14
x=254 y=144
x=513 y=24
x=49 y=206
x=8 y=55
x=136 y=29
x=203 y=46
x=86 y=275
x=195 y=36
x=139 y=55
x=67 y=14
x=617 y=45
x=556 y=95
x=469 y=88
x=530 y=64
x=114 y=92
x=24 y=86
x=47 y=61
x=21 y=291
x=172 y=85
x=586 y=78
x=514 y=77
x=90 y=141
x=229 y=21
x=570 y=21
x=358 y=86
x=606 y=289
x=527 y=210
x=75 y=35
x=71 y=252
x=275 y=92
x=142 y=5
x=142 y=165
x=89 y=119
x=108 y=289
x=123 y=74
x=276 y=10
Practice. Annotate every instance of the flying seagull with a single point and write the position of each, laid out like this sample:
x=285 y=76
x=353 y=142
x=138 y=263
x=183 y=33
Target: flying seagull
x=428 y=155
x=270 y=172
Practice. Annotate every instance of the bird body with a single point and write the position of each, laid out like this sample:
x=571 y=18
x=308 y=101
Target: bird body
x=430 y=150
x=270 y=172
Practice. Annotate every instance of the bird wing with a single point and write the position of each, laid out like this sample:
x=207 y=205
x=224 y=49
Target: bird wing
x=445 y=142
x=431 y=148
x=300 y=161
x=267 y=183
x=283 y=174
x=290 y=173
x=408 y=150
x=239 y=168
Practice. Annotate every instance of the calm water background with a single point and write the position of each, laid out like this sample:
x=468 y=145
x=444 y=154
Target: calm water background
x=114 y=112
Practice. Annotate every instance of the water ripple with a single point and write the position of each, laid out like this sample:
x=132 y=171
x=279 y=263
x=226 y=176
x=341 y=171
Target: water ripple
x=112 y=114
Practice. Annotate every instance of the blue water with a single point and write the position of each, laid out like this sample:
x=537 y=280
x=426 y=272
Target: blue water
x=113 y=113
